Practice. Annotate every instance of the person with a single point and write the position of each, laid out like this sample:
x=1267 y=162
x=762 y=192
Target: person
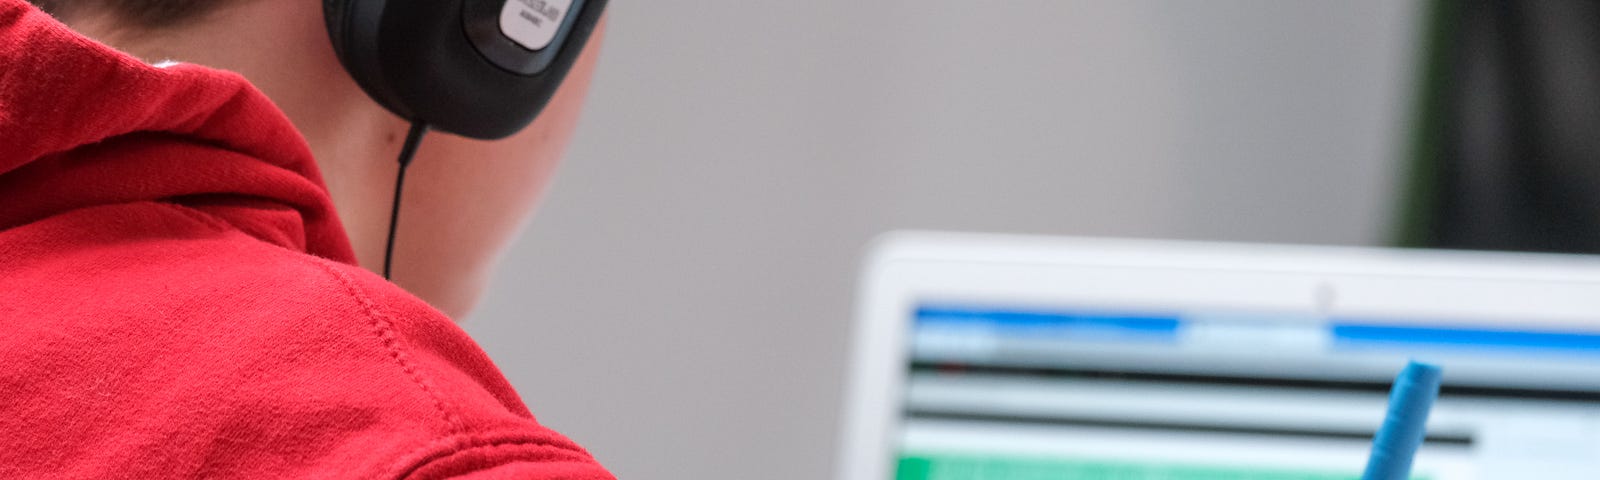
x=191 y=195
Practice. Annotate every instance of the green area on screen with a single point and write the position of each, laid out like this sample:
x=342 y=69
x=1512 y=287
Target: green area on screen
x=920 y=466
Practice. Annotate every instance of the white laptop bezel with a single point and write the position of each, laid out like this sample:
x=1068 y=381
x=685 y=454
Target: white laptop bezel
x=903 y=268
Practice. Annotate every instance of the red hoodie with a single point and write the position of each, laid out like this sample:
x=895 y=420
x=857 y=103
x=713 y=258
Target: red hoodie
x=178 y=299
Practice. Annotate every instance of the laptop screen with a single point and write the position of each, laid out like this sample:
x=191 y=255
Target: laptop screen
x=1026 y=391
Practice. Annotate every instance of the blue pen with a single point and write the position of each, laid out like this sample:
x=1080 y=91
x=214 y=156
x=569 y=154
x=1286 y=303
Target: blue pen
x=1406 y=423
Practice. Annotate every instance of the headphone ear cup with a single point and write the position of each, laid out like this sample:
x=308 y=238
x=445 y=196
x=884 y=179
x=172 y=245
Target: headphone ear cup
x=333 y=14
x=451 y=65
x=353 y=31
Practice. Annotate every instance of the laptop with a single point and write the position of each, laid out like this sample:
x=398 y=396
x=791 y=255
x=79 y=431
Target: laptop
x=982 y=357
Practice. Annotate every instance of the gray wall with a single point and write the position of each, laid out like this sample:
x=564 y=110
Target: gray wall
x=681 y=302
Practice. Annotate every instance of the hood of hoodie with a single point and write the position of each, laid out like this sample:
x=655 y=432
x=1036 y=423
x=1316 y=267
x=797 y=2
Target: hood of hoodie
x=83 y=125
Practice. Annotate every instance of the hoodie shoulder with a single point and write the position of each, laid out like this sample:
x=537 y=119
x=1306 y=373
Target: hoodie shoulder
x=175 y=343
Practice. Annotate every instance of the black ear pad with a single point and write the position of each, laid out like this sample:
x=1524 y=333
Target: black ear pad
x=448 y=64
x=333 y=15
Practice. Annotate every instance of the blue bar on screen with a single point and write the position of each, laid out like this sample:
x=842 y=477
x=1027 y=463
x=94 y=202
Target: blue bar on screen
x=1362 y=335
x=1041 y=322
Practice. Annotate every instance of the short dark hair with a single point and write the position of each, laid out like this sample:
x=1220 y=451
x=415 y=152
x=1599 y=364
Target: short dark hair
x=144 y=14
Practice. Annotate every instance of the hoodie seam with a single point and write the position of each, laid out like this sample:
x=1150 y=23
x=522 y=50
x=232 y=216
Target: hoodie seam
x=383 y=328
x=381 y=323
x=446 y=448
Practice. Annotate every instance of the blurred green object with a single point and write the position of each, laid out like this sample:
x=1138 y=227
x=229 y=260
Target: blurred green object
x=1420 y=197
x=1505 y=141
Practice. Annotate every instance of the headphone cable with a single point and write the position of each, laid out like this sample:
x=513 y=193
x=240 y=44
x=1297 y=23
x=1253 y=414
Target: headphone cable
x=407 y=151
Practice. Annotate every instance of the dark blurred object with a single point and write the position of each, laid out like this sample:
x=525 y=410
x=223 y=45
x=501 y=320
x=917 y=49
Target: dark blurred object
x=1506 y=152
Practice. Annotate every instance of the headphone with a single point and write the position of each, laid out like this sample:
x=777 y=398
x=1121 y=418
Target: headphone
x=477 y=68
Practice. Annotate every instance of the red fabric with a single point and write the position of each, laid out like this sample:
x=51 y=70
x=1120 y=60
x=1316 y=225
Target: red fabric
x=178 y=299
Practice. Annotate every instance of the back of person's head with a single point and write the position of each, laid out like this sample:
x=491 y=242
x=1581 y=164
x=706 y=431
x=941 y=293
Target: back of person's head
x=465 y=199
x=140 y=14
